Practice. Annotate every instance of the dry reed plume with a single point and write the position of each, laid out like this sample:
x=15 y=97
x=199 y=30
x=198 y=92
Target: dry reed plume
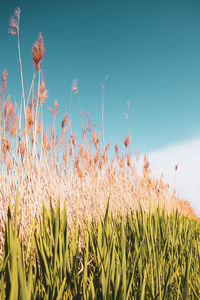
x=37 y=166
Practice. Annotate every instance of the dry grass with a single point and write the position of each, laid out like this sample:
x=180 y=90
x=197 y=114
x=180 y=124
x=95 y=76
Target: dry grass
x=40 y=167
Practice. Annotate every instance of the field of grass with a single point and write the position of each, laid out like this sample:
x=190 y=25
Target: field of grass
x=137 y=256
x=142 y=255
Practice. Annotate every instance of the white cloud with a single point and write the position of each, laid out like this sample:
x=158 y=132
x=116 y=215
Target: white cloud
x=187 y=178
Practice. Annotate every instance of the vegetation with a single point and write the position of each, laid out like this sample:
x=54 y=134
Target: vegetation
x=138 y=256
x=85 y=251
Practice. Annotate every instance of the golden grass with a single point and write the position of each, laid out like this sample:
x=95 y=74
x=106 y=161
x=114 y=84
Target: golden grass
x=40 y=167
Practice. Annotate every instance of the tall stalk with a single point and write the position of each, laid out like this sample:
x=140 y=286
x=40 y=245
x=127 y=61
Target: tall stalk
x=20 y=64
x=31 y=87
x=79 y=106
x=102 y=111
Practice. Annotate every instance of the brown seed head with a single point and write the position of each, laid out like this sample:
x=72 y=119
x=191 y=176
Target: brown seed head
x=7 y=123
x=107 y=146
x=94 y=137
x=128 y=160
x=84 y=136
x=127 y=141
x=81 y=150
x=65 y=156
x=64 y=120
x=43 y=92
x=74 y=139
x=32 y=104
x=4 y=80
x=34 y=139
x=97 y=141
x=74 y=86
x=116 y=149
x=46 y=145
x=146 y=163
x=55 y=106
x=100 y=164
x=38 y=52
x=6 y=145
x=122 y=162
x=21 y=148
x=30 y=118
x=9 y=163
x=97 y=155
x=55 y=110
x=6 y=108
x=38 y=127
x=14 y=22
x=80 y=173
x=12 y=111
x=13 y=128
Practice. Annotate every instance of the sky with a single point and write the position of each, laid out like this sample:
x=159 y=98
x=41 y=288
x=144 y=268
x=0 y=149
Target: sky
x=149 y=51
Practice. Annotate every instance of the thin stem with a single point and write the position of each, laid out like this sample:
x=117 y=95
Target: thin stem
x=31 y=87
x=102 y=120
x=21 y=73
x=102 y=112
x=36 y=115
x=80 y=112
x=70 y=117
x=129 y=127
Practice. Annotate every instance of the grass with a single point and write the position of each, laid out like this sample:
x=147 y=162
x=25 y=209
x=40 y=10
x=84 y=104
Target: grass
x=36 y=166
x=138 y=256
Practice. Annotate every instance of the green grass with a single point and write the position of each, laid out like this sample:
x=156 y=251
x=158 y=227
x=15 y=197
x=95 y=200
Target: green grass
x=137 y=256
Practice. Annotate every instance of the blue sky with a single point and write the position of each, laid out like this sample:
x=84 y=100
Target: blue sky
x=150 y=51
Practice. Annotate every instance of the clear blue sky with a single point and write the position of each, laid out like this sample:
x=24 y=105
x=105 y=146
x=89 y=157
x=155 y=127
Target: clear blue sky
x=149 y=49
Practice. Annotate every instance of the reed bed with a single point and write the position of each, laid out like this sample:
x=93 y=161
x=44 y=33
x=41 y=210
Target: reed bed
x=38 y=166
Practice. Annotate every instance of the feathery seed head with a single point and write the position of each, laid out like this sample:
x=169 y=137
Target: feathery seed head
x=97 y=141
x=74 y=86
x=9 y=163
x=46 y=145
x=4 y=80
x=12 y=111
x=116 y=149
x=38 y=52
x=74 y=139
x=6 y=145
x=6 y=108
x=43 y=92
x=94 y=137
x=64 y=120
x=128 y=160
x=55 y=110
x=14 y=22
x=56 y=106
x=21 y=148
x=65 y=156
x=127 y=141
x=13 y=127
x=107 y=146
